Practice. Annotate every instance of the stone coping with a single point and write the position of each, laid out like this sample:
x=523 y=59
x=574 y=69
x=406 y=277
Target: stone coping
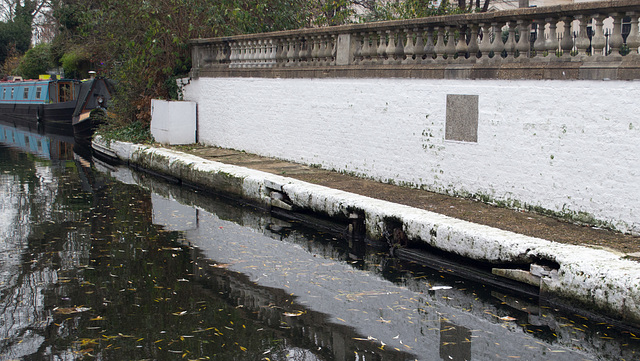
x=531 y=70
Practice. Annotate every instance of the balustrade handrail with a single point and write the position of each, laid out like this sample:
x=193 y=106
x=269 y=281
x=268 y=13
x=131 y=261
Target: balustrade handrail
x=571 y=33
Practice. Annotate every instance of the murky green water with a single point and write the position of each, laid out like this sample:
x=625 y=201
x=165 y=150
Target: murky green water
x=100 y=262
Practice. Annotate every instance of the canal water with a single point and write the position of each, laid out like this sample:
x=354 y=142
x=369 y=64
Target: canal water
x=102 y=262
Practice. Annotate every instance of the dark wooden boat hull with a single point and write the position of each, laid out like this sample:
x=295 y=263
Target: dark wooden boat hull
x=53 y=117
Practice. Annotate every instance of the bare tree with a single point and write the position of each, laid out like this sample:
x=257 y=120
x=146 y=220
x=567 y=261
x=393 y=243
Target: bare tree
x=10 y=8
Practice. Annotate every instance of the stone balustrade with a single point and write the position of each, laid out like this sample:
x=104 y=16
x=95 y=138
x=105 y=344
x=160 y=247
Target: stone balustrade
x=557 y=42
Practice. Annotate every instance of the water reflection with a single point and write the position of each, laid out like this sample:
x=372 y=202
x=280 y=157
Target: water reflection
x=385 y=303
x=33 y=205
x=102 y=262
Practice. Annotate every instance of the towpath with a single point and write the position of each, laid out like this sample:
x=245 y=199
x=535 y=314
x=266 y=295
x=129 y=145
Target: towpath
x=521 y=222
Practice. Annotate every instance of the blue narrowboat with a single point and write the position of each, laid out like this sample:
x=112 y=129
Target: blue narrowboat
x=52 y=104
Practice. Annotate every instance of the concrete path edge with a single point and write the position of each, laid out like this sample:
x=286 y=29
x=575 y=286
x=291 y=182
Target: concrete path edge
x=592 y=278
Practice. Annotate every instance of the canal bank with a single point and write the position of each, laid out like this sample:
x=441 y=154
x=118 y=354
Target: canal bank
x=588 y=276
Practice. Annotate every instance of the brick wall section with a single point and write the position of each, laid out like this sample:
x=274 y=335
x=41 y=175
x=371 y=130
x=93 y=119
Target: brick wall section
x=567 y=147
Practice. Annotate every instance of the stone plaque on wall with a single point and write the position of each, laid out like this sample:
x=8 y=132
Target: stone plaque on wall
x=462 y=118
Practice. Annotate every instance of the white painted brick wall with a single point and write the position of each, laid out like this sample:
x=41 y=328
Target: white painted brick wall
x=565 y=146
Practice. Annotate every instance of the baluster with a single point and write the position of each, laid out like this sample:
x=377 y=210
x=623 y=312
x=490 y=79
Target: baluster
x=582 y=40
x=225 y=53
x=322 y=49
x=218 y=58
x=290 y=52
x=539 y=45
x=357 y=52
x=566 y=45
x=238 y=56
x=461 y=46
x=296 y=51
x=485 y=42
x=597 y=40
x=524 y=42
x=299 y=51
x=551 y=44
x=450 y=48
x=497 y=46
x=262 y=53
x=298 y=48
x=271 y=54
x=229 y=57
x=409 y=48
x=365 y=54
x=255 y=54
x=215 y=53
x=282 y=48
x=399 y=51
x=268 y=54
x=326 y=50
x=233 y=55
x=242 y=53
x=314 y=51
x=429 y=46
x=259 y=57
x=418 y=46
x=510 y=44
x=251 y=54
x=439 y=47
x=382 y=48
x=633 y=39
x=616 y=41
x=304 y=52
x=329 y=49
x=473 y=43
x=391 y=47
x=334 y=49
x=246 y=53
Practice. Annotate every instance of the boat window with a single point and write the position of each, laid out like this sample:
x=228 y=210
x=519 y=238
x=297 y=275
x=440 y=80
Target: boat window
x=38 y=92
x=4 y=93
x=25 y=95
x=12 y=89
x=65 y=92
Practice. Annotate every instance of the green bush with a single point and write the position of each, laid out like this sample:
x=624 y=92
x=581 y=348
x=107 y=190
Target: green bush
x=36 y=61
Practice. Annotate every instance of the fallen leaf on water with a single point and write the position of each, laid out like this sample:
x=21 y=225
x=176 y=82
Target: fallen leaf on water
x=294 y=314
x=220 y=265
x=70 y=310
x=507 y=318
x=436 y=288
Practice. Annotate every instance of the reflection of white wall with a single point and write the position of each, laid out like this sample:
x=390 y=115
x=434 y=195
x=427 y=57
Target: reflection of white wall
x=565 y=146
x=403 y=318
x=173 y=215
